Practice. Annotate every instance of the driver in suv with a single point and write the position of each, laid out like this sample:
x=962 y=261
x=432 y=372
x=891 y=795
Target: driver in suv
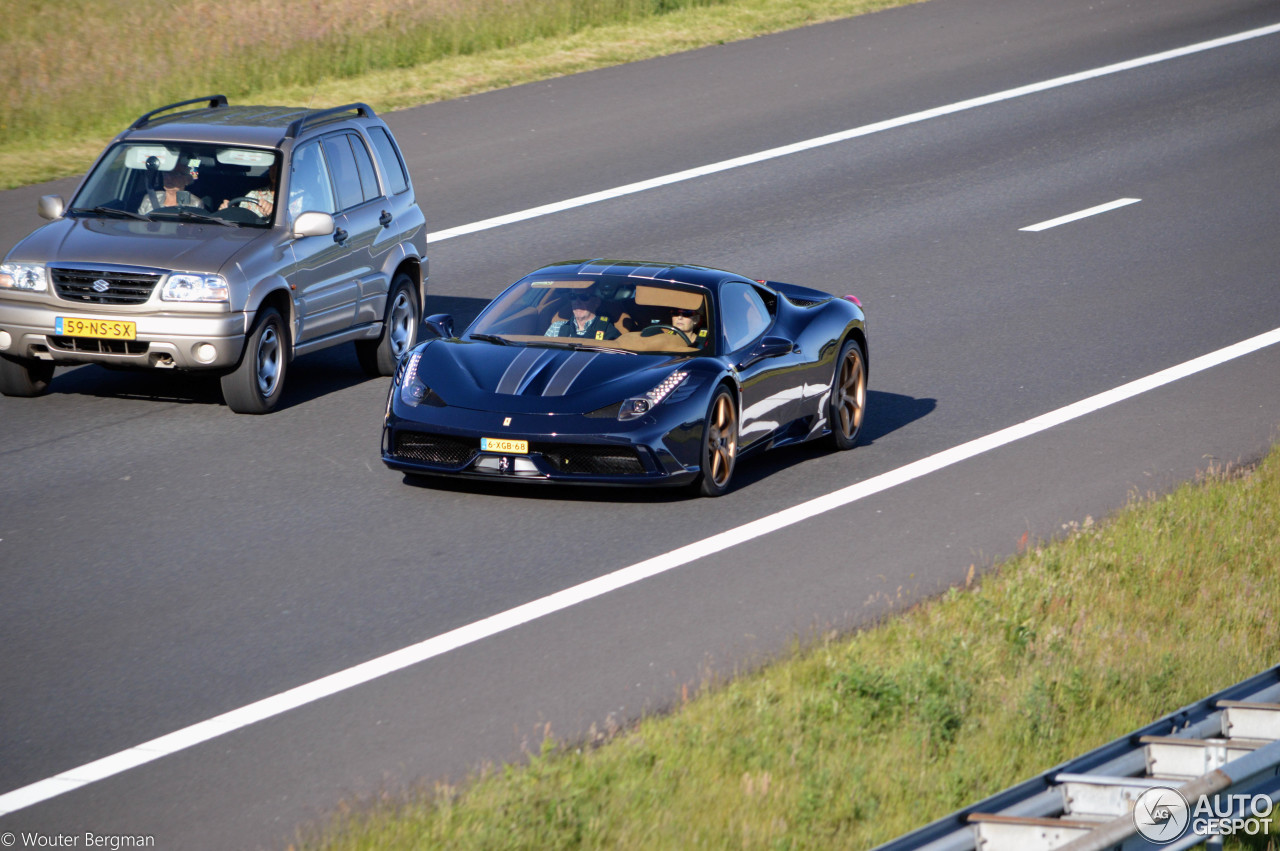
x=173 y=254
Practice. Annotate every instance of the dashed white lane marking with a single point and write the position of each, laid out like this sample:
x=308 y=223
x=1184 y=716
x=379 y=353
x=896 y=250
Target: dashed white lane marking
x=1083 y=214
x=846 y=135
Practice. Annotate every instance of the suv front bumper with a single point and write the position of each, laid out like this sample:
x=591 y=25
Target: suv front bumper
x=161 y=340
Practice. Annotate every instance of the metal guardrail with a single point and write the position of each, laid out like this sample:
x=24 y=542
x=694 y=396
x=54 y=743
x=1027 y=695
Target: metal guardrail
x=1208 y=769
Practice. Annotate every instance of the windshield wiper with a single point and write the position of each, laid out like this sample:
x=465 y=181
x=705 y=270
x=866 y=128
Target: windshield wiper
x=563 y=343
x=188 y=216
x=490 y=338
x=114 y=212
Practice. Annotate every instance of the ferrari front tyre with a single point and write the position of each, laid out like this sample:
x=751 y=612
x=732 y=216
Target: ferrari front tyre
x=256 y=384
x=848 y=403
x=399 y=330
x=24 y=376
x=719 y=443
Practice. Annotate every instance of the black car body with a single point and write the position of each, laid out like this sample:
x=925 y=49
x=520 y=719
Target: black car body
x=776 y=364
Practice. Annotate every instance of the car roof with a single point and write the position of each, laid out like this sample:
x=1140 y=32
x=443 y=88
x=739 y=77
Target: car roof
x=702 y=276
x=264 y=126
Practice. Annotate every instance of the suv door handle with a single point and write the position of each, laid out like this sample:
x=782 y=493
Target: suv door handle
x=385 y=219
x=339 y=235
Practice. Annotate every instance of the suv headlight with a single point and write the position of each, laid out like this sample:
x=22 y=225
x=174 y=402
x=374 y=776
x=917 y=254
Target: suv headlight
x=638 y=406
x=23 y=276
x=186 y=286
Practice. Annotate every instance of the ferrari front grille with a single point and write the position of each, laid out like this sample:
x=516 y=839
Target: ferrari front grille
x=438 y=449
x=99 y=286
x=591 y=460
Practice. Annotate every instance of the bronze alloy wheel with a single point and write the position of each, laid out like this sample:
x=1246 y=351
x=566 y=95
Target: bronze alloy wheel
x=848 y=396
x=720 y=445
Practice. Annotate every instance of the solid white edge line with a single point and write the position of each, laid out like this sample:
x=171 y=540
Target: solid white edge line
x=846 y=135
x=1082 y=214
x=278 y=704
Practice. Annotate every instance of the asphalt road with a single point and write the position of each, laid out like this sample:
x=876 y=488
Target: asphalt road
x=164 y=561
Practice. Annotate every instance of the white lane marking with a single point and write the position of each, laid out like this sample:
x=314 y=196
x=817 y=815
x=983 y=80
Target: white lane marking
x=488 y=627
x=846 y=135
x=1083 y=214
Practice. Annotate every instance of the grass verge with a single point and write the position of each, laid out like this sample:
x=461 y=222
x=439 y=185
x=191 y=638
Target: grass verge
x=75 y=87
x=859 y=739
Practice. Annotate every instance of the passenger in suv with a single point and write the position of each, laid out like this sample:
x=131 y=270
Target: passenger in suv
x=137 y=272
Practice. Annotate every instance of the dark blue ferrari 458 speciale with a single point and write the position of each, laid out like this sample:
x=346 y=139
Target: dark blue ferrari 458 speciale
x=626 y=373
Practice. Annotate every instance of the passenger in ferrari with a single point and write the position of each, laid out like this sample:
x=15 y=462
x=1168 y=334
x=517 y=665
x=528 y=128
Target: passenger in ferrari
x=585 y=321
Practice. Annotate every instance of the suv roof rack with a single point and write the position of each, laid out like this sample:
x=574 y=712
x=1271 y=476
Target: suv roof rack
x=361 y=110
x=211 y=102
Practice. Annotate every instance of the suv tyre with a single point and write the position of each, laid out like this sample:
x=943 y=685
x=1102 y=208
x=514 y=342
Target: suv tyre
x=24 y=377
x=256 y=384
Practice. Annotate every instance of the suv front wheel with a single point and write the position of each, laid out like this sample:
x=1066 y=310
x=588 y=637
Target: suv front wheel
x=256 y=384
x=24 y=376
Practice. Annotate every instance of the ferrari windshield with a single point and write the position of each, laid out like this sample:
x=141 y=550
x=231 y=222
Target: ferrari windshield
x=612 y=312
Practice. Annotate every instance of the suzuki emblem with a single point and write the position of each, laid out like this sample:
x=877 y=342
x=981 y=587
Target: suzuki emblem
x=101 y=286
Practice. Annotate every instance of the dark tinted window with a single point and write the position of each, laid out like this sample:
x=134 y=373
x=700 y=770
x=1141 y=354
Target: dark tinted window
x=346 y=176
x=389 y=157
x=364 y=165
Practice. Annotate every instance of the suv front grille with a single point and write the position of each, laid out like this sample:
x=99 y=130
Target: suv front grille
x=98 y=286
x=99 y=347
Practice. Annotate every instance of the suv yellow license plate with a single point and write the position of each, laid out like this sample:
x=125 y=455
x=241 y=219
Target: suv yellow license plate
x=502 y=444
x=103 y=329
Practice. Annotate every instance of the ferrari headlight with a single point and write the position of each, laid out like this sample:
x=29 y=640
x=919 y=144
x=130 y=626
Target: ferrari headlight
x=412 y=390
x=187 y=286
x=638 y=406
x=23 y=276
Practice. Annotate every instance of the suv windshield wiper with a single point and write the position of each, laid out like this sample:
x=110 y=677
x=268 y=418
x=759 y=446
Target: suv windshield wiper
x=188 y=216
x=114 y=212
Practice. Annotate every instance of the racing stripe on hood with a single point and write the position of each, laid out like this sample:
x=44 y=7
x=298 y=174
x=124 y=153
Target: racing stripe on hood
x=568 y=371
x=523 y=367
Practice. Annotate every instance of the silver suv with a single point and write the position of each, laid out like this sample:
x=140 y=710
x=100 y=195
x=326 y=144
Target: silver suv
x=173 y=253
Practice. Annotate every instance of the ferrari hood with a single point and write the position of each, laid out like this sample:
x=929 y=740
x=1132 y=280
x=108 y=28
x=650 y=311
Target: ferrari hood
x=536 y=379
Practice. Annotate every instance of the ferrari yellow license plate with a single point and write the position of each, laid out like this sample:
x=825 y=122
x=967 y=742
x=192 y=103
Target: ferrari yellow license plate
x=502 y=444
x=103 y=329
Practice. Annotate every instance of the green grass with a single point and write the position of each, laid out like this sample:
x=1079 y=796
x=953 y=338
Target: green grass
x=859 y=739
x=77 y=77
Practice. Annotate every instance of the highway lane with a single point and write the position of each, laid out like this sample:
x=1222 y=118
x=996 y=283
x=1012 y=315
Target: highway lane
x=164 y=561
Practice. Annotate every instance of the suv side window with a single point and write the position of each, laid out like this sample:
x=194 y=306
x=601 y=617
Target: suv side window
x=364 y=166
x=389 y=157
x=309 y=186
x=743 y=313
x=346 y=174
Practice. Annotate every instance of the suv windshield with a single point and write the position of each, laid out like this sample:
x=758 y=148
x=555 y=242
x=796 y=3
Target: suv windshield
x=605 y=311
x=186 y=180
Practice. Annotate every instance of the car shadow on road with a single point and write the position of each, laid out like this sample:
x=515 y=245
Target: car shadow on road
x=886 y=413
x=310 y=376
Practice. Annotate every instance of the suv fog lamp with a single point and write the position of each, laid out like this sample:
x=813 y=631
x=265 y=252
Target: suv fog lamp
x=5 y=340
x=638 y=406
x=23 y=276
x=205 y=353
x=185 y=286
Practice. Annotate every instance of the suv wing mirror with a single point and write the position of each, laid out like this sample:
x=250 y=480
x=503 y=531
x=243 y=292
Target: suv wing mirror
x=312 y=223
x=50 y=207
